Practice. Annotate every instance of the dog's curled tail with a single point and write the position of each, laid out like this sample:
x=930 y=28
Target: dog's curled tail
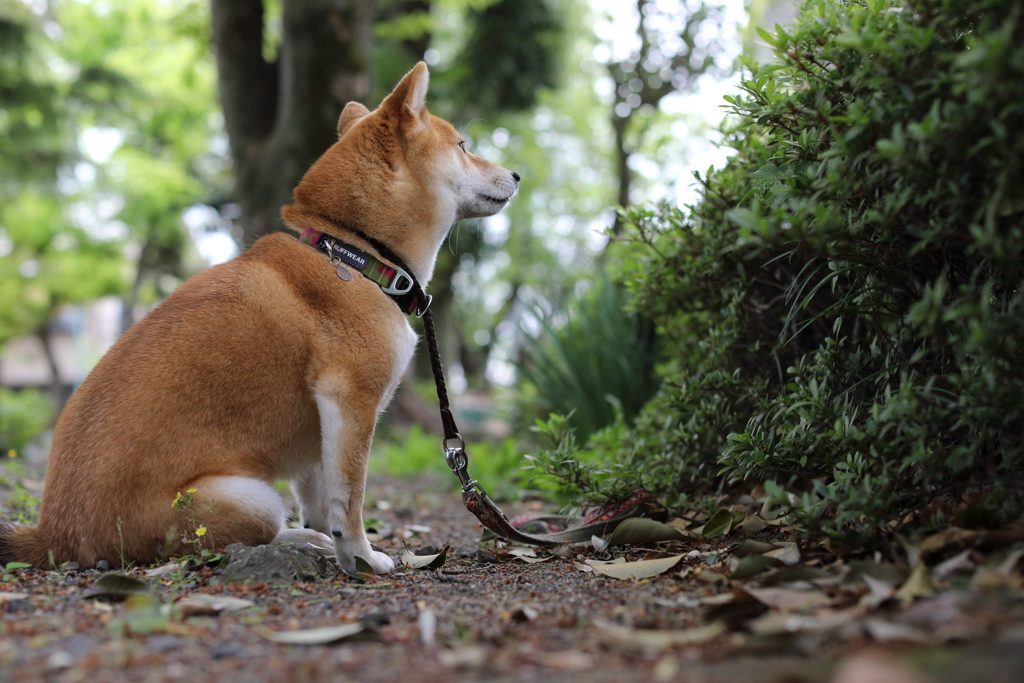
x=20 y=543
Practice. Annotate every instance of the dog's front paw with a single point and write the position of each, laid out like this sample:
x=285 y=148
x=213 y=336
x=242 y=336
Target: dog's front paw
x=379 y=562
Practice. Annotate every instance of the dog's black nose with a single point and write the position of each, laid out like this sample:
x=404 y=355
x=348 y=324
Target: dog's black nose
x=515 y=175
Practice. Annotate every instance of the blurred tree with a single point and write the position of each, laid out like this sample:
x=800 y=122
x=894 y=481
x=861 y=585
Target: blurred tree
x=669 y=56
x=44 y=262
x=107 y=134
x=31 y=118
x=147 y=84
x=282 y=97
x=513 y=50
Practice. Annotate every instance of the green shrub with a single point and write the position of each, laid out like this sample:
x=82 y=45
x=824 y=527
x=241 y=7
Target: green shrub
x=843 y=309
x=23 y=416
x=600 y=363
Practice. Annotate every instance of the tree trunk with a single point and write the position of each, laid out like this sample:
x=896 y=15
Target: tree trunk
x=620 y=124
x=281 y=116
x=56 y=388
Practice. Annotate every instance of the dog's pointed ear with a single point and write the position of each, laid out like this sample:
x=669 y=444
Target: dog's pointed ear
x=410 y=95
x=353 y=112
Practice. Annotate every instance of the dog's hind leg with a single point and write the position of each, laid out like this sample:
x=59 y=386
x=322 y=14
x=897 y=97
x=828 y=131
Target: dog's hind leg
x=233 y=510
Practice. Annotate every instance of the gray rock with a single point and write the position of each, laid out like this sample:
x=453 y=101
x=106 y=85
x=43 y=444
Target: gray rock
x=484 y=555
x=276 y=564
x=103 y=565
x=466 y=551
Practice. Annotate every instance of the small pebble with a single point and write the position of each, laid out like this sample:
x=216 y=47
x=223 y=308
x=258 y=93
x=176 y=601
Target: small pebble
x=222 y=651
x=103 y=566
x=71 y=566
x=19 y=605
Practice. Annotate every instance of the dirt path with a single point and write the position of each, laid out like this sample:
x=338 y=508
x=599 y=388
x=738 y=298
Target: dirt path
x=482 y=617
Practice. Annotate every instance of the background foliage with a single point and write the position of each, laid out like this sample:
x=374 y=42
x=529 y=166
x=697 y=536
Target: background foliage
x=843 y=308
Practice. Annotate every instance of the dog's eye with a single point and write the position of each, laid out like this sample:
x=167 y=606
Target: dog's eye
x=462 y=144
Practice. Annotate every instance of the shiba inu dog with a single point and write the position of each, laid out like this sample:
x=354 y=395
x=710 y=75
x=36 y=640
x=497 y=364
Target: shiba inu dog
x=273 y=365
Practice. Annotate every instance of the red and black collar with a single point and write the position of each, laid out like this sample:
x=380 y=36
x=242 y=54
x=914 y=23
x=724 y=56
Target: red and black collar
x=396 y=281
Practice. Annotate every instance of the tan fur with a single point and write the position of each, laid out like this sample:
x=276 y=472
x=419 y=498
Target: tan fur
x=268 y=366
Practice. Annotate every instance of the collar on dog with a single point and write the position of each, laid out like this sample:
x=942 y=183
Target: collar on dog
x=394 y=281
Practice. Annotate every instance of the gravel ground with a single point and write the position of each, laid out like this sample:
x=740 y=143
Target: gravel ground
x=485 y=616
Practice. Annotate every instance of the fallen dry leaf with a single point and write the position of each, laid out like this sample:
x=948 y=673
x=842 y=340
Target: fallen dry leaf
x=946 y=538
x=961 y=563
x=315 y=636
x=878 y=591
x=652 y=641
x=751 y=566
x=639 y=530
x=566 y=660
x=788 y=599
x=430 y=561
x=788 y=554
x=643 y=569
x=679 y=523
x=719 y=524
x=201 y=604
x=751 y=525
x=167 y=569
x=918 y=585
x=464 y=657
x=889 y=632
x=751 y=547
x=774 y=623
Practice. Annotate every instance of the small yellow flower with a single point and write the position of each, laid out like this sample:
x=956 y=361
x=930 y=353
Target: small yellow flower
x=201 y=531
x=177 y=499
x=12 y=453
x=190 y=491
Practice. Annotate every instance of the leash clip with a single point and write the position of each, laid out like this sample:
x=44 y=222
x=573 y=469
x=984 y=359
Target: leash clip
x=458 y=461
